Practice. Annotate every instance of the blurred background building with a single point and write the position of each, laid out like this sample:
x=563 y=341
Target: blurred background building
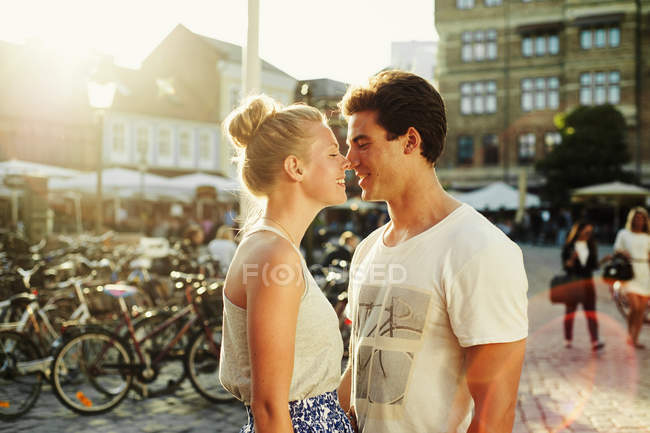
x=418 y=57
x=507 y=67
x=165 y=116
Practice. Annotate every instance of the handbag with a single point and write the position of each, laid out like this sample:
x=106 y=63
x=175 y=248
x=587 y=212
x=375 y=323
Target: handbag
x=618 y=268
x=566 y=288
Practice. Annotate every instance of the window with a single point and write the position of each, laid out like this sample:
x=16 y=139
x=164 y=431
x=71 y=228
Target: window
x=540 y=45
x=479 y=45
x=599 y=88
x=526 y=147
x=235 y=96
x=466 y=98
x=205 y=146
x=614 y=37
x=466 y=50
x=491 y=44
x=142 y=143
x=490 y=149
x=585 y=39
x=540 y=93
x=119 y=145
x=553 y=44
x=527 y=46
x=478 y=97
x=464 y=4
x=600 y=37
x=185 y=148
x=465 y=150
x=551 y=140
x=490 y=3
x=164 y=143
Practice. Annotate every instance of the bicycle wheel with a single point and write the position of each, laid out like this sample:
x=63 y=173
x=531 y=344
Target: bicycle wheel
x=202 y=365
x=168 y=374
x=19 y=390
x=92 y=372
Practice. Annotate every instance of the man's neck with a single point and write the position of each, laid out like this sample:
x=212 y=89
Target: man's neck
x=417 y=209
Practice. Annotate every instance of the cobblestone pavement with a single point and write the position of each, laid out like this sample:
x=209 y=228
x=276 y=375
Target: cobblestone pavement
x=570 y=390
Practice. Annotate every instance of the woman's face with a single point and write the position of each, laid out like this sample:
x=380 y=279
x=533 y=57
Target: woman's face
x=586 y=232
x=324 y=179
x=638 y=221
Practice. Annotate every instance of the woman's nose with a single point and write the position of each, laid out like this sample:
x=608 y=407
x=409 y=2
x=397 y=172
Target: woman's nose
x=351 y=158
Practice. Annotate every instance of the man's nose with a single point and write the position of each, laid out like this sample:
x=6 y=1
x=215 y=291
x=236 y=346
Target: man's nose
x=351 y=157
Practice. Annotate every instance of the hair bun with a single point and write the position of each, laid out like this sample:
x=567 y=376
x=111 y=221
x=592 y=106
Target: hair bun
x=242 y=124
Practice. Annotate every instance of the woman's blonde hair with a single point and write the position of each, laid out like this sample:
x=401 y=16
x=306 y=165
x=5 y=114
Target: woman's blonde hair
x=630 y=218
x=264 y=133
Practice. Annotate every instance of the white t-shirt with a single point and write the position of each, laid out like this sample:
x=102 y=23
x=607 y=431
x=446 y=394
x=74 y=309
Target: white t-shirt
x=415 y=306
x=582 y=249
x=638 y=246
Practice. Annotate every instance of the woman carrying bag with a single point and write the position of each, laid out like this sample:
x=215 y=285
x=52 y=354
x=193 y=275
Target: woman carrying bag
x=634 y=242
x=580 y=259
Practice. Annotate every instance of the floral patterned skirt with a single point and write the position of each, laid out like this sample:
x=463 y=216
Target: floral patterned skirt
x=320 y=414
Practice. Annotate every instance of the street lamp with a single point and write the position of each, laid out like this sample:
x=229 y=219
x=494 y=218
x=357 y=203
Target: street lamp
x=100 y=98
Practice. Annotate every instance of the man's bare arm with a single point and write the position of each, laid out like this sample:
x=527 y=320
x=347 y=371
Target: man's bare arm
x=493 y=372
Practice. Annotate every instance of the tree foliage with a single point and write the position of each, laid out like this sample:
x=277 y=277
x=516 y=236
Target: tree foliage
x=593 y=150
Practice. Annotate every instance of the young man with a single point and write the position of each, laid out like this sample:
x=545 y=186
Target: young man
x=437 y=295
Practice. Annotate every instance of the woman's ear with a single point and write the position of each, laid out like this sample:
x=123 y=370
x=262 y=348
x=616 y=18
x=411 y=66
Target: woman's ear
x=293 y=166
x=413 y=140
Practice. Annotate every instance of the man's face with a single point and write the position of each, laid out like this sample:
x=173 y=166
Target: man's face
x=373 y=157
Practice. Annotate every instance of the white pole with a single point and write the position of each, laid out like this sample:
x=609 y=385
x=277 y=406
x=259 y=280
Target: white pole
x=251 y=78
x=251 y=65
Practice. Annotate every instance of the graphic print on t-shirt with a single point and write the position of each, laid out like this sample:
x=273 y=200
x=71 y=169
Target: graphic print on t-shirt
x=390 y=323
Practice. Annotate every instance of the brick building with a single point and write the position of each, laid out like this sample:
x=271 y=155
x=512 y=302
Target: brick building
x=507 y=67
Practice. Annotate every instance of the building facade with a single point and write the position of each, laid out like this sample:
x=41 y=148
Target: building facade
x=169 y=118
x=507 y=67
x=165 y=117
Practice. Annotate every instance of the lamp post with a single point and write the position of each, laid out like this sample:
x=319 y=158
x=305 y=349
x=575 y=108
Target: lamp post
x=100 y=98
x=142 y=167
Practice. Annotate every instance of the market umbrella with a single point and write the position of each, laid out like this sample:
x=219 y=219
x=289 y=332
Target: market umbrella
x=187 y=184
x=18 y=167
x=497 y=196
x=614 y=193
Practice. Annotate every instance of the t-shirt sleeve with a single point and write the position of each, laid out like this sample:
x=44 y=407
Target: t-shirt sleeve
x=486 y=301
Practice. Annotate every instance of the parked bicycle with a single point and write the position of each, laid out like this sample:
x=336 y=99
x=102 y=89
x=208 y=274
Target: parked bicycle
x=94 y=370
x=20 y=375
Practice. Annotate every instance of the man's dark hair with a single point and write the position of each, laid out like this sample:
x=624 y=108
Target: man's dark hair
x=401 y=100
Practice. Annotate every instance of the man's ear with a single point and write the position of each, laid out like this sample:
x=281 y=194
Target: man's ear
x=413 y=140
x=293 y=166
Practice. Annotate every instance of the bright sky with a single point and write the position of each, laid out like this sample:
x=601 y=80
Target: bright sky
x=346 y=40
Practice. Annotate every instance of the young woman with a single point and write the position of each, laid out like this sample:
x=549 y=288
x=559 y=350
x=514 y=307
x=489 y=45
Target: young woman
x=634 y=242
x=281 y=350
x=580 y=259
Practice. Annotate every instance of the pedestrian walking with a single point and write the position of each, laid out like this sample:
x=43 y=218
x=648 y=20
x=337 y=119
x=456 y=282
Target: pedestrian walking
x=281 y=350
x=633 y=241
x=580 y=259
x=222 y=248
x=437 y=294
